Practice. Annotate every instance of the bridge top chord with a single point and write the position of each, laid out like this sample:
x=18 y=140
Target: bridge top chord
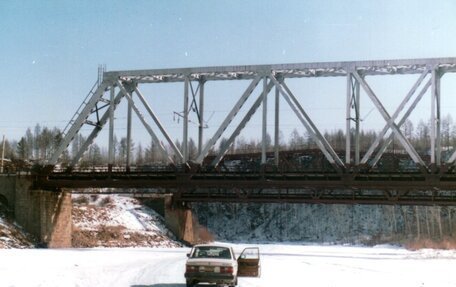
x=299 y=70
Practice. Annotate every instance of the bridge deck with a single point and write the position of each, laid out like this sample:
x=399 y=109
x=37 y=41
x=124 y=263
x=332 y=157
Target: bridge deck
x=379 y=188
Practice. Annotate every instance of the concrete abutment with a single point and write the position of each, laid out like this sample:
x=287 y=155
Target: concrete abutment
x=180 y=220
x=46 y=215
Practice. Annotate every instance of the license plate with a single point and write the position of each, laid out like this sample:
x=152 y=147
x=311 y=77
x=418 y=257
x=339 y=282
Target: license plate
x=206 y=269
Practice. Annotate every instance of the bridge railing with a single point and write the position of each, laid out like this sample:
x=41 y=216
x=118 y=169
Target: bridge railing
x=294 y=161
x=155 y=168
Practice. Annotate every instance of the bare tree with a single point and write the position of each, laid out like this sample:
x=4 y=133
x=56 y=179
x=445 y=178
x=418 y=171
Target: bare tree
x=296 y=140
x=447 y=122
x=139 y=155
x=423 y=136
x=407 y=129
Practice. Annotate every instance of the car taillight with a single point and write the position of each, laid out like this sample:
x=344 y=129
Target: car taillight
x=190 y=269
x=226 y=269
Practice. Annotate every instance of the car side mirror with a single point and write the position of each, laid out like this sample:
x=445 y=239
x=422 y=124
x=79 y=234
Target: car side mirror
x=188 y=254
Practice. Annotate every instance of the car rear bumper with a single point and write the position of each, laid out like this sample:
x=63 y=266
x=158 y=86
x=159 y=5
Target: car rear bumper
x=209 y=277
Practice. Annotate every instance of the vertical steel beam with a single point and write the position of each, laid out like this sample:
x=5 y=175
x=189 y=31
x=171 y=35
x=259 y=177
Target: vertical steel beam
x=3 y=154
x=348 y=120
x=452 y=158
x=129 y=113
x=111 y=129
x=436 y=144
x=265 y=121
x=357 y=122
x=276 y=127
x=185 y=126
x=201 y=115
x=433 y=118
x=438 y=120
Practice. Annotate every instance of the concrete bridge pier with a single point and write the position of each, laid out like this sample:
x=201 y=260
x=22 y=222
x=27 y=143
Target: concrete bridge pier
x=46 y=215
x=183 y=223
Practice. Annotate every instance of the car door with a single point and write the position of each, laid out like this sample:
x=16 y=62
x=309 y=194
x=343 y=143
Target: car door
x=249 y=263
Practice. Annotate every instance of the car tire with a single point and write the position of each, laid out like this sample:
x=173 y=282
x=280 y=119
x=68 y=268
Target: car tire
x=235 y=283
x=190 y=284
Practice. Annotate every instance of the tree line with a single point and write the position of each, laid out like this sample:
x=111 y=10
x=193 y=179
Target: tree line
x=38 y=144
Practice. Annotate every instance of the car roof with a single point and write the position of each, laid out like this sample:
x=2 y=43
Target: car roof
x=212 y=245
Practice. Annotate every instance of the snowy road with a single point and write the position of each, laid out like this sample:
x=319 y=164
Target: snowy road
x=282 y=265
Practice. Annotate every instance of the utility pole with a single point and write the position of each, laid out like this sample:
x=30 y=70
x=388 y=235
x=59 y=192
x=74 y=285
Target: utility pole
x=3 y=154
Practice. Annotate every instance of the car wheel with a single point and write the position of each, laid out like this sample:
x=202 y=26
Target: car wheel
x=235 y=283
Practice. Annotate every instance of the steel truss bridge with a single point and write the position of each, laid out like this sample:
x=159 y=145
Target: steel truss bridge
x=348 y=176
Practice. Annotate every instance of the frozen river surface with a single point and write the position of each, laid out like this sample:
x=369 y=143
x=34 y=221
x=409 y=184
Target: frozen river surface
x=282 y=265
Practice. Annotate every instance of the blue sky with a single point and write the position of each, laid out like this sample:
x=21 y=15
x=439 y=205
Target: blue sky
x=50 y=50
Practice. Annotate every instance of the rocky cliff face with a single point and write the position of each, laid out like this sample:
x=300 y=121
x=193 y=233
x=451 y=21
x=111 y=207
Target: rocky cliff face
x=359 y=224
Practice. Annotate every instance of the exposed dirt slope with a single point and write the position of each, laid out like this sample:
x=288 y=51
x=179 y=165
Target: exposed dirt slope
x=117 y=221
x=12 y=236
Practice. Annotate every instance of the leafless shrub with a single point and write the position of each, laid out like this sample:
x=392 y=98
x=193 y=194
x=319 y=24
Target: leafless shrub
x=94 y=197
x=106 y=201
x=81 y=200
x=107 y=233
x=204 y=235
x=105 y=236
x=83 y=238
x=446 y=243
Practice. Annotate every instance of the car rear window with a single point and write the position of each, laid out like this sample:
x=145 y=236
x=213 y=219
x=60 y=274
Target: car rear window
x=211 y=252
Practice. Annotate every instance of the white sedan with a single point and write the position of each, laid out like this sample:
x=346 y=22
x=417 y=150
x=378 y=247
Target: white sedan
x=217 y=264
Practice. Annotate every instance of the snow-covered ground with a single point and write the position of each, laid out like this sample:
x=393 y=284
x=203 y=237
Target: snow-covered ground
x=282 y=265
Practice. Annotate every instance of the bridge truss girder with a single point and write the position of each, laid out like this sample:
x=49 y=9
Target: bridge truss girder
x=405 y=189
x=119 y=85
